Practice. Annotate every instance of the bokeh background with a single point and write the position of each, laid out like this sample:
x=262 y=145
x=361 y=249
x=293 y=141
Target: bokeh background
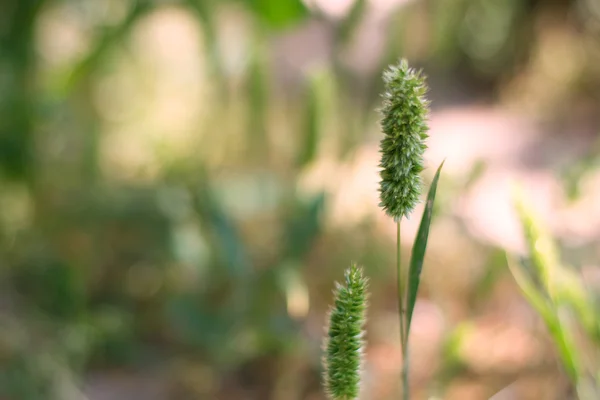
x=183 y=181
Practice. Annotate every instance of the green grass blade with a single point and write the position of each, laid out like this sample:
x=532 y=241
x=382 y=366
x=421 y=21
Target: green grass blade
x=541 y=247
x=545 y=288
x=418 y=251
x=543 y=305
x=539 y=301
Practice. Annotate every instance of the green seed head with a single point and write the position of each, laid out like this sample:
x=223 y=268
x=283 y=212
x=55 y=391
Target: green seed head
x=344 y=343
x=404 y=123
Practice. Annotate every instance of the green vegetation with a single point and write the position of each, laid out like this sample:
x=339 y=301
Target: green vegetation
x=182 y=181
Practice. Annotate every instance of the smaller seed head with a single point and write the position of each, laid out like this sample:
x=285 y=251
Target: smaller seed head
x=344 y=343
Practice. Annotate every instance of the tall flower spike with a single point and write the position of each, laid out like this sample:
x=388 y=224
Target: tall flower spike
x=344 y=342
x=404 y=123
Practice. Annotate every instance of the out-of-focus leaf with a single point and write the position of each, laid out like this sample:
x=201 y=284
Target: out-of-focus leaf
x=451 y=349
x=543 y=288
x=478 y=169
x=114 y=335
x=446 y=20
x=541 y=248
x=348 y=25
x=52 y=286
x=452 y=363
x=312 y=121
x=490 y=41
x=231 y=250
x=418 y=251
x=538 y=300
x=562 y=338
x=17 y=102
x=318 y=105
x=107 y=39
x=204 y=10
x=194 y=323
x=495 y=266
x=304 y=227
x=278 y=14
x=258 y=93
x=571 y=291
x=274 y=327
x=557 y=281
x=575 y=172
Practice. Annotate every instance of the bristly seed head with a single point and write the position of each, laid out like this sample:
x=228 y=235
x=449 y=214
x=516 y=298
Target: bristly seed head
x=404 y=113
x=344 y=343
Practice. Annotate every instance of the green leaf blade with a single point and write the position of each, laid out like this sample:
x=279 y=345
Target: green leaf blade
x=418 y=251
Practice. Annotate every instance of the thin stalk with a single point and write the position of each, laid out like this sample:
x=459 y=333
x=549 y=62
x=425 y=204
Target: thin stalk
x=400 y=287
x=401 y=302
x=405 y=387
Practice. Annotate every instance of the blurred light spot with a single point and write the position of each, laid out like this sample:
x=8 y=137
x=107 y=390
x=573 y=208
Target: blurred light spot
x=297 y=301
x=486 y=28
x=296 y=292
x=332 y=8
x=61 y=39
x=164 y=82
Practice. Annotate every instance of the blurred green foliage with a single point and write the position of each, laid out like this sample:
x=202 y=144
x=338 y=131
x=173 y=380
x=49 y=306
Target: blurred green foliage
x=211 y=254
x=556 y=291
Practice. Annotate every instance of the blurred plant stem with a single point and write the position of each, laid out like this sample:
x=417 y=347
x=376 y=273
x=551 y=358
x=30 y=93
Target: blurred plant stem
x=104 y=44
x=17 y=108
x=204 y=11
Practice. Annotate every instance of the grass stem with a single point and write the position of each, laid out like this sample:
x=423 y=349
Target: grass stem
x=401 y=309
